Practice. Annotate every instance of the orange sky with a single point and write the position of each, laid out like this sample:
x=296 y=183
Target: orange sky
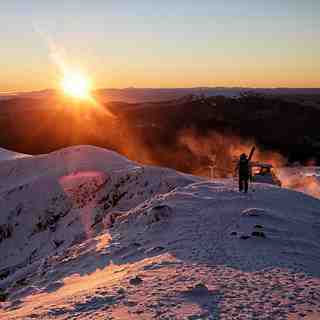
x=152 y=44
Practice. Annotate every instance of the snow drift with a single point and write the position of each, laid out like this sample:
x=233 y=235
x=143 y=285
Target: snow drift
x=87 y=234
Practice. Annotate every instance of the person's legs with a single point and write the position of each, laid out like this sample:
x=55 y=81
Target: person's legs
x=246 y=185
x=240 y=184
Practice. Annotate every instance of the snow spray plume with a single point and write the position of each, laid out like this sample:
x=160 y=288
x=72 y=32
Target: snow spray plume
x=301 y=179
x=225 y=150
x=131 y=144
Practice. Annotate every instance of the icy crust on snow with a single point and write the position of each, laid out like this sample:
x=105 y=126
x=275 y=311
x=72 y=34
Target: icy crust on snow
x=110 y=239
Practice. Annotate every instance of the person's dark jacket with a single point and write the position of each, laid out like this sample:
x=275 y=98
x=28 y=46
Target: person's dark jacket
x=244 y=170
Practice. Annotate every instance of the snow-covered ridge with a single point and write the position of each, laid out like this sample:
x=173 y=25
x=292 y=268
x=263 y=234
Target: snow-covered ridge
x=69 y=192
x=60 y=163
x=10 y=155
x=87 y=234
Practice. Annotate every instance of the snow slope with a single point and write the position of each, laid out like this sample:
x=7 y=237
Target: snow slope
x=88 y=234
x=10 y=155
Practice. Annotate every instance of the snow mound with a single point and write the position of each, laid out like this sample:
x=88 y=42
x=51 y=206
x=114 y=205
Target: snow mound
x=88 y=234
x=253 y=212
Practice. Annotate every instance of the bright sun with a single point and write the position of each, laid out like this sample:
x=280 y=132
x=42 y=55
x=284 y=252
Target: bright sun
x=76 y=85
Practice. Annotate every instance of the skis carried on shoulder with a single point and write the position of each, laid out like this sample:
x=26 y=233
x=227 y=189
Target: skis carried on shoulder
x=251 y=177
x=251 y=153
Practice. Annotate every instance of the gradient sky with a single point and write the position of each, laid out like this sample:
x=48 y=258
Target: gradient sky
x=167 y=43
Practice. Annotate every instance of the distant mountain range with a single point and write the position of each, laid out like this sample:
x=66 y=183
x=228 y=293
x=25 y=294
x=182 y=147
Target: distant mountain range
x=169 y=133
x=133 y=95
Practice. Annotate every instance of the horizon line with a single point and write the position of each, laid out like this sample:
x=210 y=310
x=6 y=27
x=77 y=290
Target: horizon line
x=18 y=92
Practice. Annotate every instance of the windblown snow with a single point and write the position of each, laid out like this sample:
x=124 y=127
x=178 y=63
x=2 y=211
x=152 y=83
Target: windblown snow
x=87 y=234
x=303 y=179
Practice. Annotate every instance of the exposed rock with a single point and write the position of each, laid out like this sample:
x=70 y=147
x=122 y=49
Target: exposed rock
x=258 y=234
x=135 y=281
x=6 y=231
x=121 y=291
x=3 y=296
x=199 y=289
x=158 y=213
x=58 y=243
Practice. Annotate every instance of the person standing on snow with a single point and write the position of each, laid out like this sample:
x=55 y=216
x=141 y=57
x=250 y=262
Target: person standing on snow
x=244 y=172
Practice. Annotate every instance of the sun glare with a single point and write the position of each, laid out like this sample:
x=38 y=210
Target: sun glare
x=76 y=85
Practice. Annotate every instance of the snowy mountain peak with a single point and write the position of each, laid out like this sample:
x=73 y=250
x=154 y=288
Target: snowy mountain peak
x=87 y=234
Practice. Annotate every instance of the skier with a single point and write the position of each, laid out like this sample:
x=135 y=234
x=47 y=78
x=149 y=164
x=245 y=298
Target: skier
x=243 y=168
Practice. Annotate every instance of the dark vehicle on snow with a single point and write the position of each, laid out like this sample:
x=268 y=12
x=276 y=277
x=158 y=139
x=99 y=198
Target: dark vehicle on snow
x=264 y=173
